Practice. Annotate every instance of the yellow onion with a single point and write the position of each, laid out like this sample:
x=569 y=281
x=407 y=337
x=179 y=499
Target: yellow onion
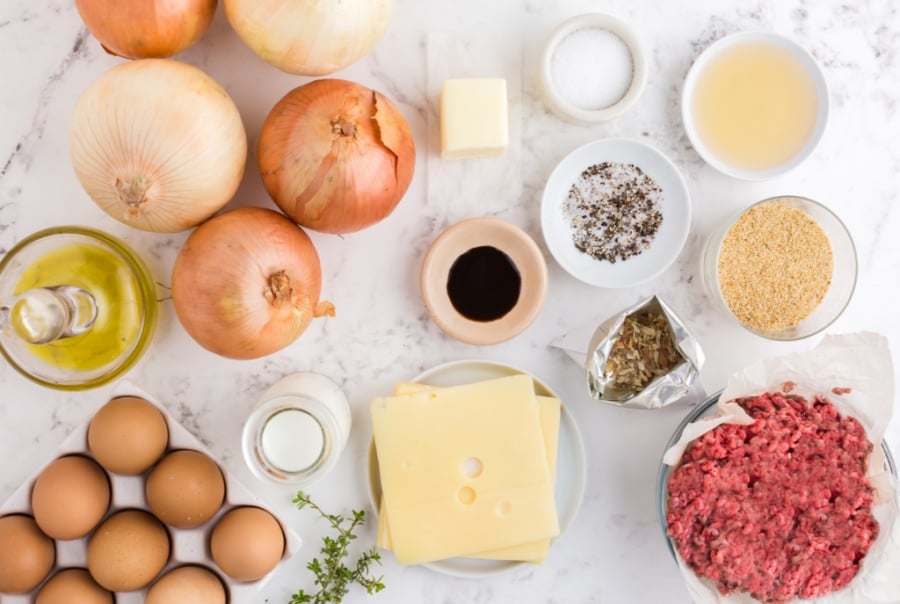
x=144 y=29
x=158 y=145
x=310 y=37
x=247 y=283
x=336 y=156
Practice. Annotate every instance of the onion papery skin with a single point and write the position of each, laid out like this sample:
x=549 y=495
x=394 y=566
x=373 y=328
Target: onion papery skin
x=310 y=37
x=145 y=29
x=336 y=156
x=158 y=145
x=246 y=283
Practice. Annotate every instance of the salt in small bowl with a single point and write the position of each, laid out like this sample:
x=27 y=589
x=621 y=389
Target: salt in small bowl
x=564 y=106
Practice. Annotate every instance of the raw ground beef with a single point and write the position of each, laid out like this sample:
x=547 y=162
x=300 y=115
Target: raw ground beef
x=780 y=508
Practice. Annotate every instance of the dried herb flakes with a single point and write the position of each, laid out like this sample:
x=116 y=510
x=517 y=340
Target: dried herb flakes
x=643 y=350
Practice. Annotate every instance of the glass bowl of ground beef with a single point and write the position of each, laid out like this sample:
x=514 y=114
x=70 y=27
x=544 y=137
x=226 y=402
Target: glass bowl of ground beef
x=780 y=509
x=785 y=268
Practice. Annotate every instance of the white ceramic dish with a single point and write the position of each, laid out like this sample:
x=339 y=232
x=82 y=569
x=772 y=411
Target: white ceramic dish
x=562 y=106
x=675 y=208
x=571 y=465
x=714 y=50
x=188 y=546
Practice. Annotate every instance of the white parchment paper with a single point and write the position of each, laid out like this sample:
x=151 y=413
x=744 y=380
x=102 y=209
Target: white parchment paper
x=862 y=363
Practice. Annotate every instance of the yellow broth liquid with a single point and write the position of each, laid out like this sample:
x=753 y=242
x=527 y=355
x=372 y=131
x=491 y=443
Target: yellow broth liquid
x=116 y=291
x=755 y=106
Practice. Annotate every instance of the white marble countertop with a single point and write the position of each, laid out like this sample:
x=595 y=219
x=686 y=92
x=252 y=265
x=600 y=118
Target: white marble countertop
x=614 y=551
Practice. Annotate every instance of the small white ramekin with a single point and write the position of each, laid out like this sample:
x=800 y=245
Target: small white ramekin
x=559 y=104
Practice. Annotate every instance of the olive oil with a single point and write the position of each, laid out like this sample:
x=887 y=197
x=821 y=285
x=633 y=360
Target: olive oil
x=118 y=295
x=755 y=105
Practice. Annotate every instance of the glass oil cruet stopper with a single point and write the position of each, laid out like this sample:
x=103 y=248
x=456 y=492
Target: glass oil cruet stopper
x=45 y=314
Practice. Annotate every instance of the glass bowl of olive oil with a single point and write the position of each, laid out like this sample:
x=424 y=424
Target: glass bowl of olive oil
x=77 y=307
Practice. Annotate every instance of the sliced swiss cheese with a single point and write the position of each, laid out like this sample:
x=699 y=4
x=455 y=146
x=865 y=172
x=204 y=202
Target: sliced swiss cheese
x=435 y=510
x=534 y=551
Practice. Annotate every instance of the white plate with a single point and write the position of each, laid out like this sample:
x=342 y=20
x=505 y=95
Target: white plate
x=675 y=208
x=571 y=466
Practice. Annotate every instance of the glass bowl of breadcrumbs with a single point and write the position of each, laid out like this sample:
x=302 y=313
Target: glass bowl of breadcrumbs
x=785 y=268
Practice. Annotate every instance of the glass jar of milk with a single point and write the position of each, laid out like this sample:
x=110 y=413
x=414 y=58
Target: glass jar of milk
x=298 y=430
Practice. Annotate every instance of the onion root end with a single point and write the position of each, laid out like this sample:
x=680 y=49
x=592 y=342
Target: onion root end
x=323 y=309
x=133 y=193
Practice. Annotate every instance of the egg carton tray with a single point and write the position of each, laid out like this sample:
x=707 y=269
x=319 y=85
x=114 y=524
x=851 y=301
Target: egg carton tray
x=188 y=546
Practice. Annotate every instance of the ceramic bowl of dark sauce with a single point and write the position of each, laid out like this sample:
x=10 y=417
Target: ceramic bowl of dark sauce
x=483 y=281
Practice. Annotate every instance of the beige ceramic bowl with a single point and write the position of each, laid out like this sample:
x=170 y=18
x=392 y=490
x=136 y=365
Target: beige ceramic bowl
x=457 y=240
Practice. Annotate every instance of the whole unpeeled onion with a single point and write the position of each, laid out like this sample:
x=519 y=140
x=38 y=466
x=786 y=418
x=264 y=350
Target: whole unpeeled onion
x=336 y=156
x=310 y=37
x=144 y=29
x=246 y=283
x=158 y=144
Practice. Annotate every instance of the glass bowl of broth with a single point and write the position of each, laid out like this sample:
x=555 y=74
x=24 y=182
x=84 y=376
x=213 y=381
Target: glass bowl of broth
x=754 y=105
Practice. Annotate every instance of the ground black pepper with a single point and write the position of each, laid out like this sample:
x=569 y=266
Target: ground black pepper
x=614 y=211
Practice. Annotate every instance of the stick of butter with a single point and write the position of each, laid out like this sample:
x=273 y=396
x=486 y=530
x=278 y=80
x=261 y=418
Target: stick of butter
x=474 y=120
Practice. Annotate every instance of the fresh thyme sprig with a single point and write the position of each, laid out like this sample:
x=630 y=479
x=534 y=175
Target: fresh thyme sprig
x=333 y=578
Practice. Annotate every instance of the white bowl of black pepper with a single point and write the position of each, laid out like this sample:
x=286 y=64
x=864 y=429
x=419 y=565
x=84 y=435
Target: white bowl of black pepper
x=615 y=213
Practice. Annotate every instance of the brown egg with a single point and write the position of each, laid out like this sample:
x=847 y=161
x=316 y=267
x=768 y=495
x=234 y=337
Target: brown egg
x=247 y=543
x=26 y=554
x=128 y=435
x=73 y=586
x=185 y=489
x=70 y=497
x=127 y=551
x=187 y=585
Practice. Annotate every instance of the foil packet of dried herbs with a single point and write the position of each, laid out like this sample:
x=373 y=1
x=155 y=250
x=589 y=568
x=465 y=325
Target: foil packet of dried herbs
x=643 y=357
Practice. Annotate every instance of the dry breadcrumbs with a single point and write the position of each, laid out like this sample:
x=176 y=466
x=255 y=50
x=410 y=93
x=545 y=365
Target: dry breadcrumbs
x=774 y=267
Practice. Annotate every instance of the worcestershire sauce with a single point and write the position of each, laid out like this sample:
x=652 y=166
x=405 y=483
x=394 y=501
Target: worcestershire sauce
x=483 y=284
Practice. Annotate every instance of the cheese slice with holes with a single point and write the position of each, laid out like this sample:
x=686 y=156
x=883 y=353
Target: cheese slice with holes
x=534 y=551
x=435 y=510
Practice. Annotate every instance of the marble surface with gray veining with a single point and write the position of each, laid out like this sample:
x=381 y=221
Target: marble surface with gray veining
x=614 y=551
